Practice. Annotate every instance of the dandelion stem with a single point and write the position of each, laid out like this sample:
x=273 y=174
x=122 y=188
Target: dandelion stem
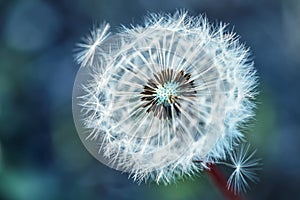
x=221 y=182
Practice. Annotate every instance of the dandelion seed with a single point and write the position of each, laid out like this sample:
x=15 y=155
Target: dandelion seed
x=87 y=49
x=151 y=100
x=245 y=168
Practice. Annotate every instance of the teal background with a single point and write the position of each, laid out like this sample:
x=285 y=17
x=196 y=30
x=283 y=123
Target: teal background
x=41 y=155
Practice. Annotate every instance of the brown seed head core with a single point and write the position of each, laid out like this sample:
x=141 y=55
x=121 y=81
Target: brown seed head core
x=163 y=93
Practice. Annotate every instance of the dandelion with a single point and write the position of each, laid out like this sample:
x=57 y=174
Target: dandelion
x=163 y=100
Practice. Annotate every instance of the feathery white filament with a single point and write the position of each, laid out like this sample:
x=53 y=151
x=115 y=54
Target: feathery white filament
x=245 y=168
x=87 y=49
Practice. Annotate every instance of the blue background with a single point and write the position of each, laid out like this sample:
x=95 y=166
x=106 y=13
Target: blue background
x=41 y=155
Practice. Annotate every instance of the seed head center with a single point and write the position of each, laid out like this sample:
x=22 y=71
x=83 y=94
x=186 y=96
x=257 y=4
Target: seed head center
x=163 y=93
x=166 y=93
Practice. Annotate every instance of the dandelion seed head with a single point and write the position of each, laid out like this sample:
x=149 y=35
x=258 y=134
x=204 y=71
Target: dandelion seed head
x=150 y=100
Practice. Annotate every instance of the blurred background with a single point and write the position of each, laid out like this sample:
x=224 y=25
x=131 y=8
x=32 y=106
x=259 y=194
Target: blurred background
x=41 y=155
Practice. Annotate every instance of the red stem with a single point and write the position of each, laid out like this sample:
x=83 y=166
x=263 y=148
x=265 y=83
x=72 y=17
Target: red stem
x=221 y=182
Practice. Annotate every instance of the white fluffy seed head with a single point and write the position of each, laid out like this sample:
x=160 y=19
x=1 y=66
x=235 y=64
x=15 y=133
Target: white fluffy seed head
x=153 y=99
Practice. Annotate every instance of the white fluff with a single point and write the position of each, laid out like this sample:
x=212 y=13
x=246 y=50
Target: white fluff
x=207 y=128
